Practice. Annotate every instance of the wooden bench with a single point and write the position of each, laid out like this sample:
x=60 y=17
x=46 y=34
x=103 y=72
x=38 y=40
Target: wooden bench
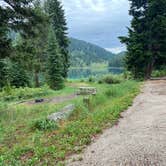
x=87 y=91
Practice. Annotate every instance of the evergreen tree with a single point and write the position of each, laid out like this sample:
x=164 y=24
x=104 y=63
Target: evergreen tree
x=5 y=43
x=157 y=32
x=31 y=52
x=145 y=43
x=18 y=16
x=13 y=73
x=54 y=66
x=58 y=22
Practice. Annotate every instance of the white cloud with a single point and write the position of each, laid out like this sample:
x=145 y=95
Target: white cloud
x=116 y=50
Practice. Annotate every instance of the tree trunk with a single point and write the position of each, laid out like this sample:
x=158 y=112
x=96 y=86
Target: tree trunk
x=149 y=69
x=36 y=79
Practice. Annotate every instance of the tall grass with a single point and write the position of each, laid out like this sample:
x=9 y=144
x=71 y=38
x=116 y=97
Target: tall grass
x=17 y=94
x=44 y=147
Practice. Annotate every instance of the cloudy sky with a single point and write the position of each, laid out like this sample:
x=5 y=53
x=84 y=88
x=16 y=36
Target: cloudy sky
x=98 y=21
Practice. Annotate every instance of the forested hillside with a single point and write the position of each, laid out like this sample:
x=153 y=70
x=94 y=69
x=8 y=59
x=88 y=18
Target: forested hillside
x=118 y=60
x=84 y=53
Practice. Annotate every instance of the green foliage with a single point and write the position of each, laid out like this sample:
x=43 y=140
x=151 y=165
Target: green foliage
x=91 y=79
x=146 y=42
x=56 y=14
x=117 y=60
x=13 y=74
x=30 y=52
x=111 y=79
x=9 y=94
x=18 y=76
x=159 y=73
x=44 y=124
x=84 y=54
x=5 y=42
x=16 y=10
x=111 y=92
x=54 y=66
x=48 y=145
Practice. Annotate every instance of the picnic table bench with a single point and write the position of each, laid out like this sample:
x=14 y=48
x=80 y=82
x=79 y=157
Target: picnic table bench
x=87 y=91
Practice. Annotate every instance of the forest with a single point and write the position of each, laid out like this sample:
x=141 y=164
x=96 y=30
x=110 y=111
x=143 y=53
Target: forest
x=36 y=54
x=85 y=54
x=34 y=43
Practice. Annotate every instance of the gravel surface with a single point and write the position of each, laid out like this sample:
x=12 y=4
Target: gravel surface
x=140 y=137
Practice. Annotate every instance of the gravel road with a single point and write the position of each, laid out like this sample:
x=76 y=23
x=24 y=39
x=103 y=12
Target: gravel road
x=140 y=137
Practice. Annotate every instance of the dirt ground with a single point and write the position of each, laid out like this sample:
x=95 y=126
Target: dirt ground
x=140 y=137
x=55 y=100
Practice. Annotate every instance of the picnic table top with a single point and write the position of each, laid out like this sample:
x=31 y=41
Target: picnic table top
x=87 y=88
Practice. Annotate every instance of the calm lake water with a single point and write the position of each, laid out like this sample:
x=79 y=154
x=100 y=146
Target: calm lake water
x=80 y=73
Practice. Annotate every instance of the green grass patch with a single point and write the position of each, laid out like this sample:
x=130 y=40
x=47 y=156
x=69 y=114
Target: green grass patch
x=18 y=94
x=29 y=140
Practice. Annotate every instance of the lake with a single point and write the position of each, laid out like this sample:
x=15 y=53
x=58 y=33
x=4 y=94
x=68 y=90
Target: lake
x=81 y=73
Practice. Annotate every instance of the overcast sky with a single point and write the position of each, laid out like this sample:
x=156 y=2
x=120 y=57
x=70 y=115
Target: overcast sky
x=98 y=21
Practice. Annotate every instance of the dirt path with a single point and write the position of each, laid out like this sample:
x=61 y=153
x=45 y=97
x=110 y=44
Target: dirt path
x=140 y=137
x=55 y=100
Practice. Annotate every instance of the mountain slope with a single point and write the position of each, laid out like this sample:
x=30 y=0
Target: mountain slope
x=84 y=53
x=118 y=60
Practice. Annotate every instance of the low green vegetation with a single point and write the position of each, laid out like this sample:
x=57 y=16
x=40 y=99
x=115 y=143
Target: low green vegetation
x=112 y=79
x=159 y=73
x=28 y=138
x=9 y=94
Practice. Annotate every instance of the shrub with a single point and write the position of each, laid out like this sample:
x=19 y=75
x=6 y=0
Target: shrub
x=100 y=82
x=111 y=92
x=45 y=124
x=91 y=79
x=111 y=79
x=10 y=93
x=159 y=73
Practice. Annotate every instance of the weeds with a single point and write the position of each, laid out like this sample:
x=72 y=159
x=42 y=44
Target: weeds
x=45 y=124
x=15 y=94
x=111 y=79
x=48 y=144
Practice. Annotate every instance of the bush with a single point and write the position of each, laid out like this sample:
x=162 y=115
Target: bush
x=91 y=79
x=159 y=73
x=111 y=92
x=127 y=75
x=100 y=82
x=10 y=93
x=45 y=124
x=111 y=79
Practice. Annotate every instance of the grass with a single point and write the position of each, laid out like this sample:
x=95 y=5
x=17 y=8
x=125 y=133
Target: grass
x=22 y=143
x=159 y=73
x=19 y=94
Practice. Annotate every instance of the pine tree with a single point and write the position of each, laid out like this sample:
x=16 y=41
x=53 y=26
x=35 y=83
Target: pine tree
x=157 y=32
x=145 y=43
x=31 y=51
x=54 y=66
x=18 y=16
x=136 y=41
x=58 y=22
x=13 y=73
x=5 y=43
